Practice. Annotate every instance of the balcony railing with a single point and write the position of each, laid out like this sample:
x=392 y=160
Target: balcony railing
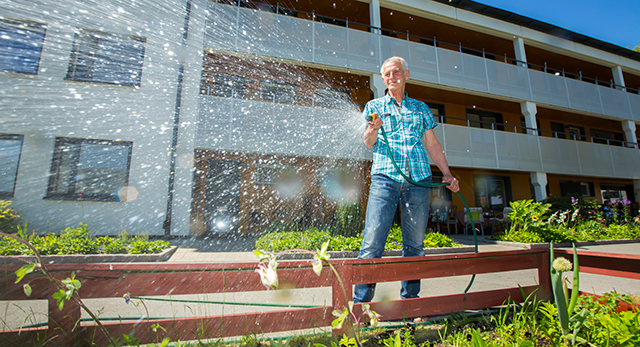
x=270 y=127
x=270 y=34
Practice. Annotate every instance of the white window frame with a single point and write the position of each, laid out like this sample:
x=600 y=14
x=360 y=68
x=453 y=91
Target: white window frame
x=10 y=153
x=21 y=46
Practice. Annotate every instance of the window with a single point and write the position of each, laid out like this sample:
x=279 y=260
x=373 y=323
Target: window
x=10 y=149
x=279 y=91
x=484 y=119
x=332 y=97
x=616 y=192
x=492 y=192
x=89 y=169
x=268 y=173
x=577 y=188
x=438 y=111
x=226 y=85
x=106 y=58
x=607 y=137
x=21 y=46
x=562 y=131
x=441 y=196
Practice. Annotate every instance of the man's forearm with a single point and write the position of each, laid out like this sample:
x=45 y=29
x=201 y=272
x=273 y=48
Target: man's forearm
x=370 y=137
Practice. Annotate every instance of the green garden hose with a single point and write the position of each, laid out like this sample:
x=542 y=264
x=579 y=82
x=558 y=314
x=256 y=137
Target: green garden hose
x=426 y=185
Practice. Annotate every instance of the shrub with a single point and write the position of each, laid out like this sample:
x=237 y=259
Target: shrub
x=9 y=218
x=80 y=241
x=312 y=239
x=350 y=222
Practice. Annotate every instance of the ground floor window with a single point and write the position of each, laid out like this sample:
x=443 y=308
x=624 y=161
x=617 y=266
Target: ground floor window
x=577 y=188
x=10 y=149
x=84 y=169
x=492 y=192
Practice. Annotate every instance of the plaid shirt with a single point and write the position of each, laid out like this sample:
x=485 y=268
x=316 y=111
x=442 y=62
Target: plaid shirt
x=404 y=124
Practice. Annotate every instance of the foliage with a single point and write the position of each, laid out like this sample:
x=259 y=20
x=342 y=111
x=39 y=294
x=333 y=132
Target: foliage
x=80 y=241
x=568 y=219
x=350 y=222
x=9 y=218
x=313 y=238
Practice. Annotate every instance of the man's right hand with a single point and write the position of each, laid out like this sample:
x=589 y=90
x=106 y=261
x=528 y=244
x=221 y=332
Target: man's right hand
x=376 y=123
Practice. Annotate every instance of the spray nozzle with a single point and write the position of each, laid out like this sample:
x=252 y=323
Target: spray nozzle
x=370 y=117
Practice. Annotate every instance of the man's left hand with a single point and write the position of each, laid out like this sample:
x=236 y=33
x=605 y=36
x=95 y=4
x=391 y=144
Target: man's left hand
x=454 y=185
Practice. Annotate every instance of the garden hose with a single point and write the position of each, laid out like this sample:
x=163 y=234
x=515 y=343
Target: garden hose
x=427 y=185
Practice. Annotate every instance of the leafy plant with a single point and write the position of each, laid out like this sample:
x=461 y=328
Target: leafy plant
x=350 y=222
x=9 y=218
x=267 y=269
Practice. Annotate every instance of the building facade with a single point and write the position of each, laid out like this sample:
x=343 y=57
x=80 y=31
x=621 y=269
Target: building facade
x=194 y=117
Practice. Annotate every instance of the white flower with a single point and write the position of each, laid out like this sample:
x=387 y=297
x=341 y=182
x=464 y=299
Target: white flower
x=268 y=274
x=561 y=264
x=317 y=265
x=575 y=214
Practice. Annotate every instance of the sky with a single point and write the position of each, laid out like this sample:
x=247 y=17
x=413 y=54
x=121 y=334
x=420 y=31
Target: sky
x=613 y=21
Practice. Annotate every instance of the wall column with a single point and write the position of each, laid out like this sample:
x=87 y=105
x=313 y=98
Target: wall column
x=618 y=77
x=518 y=47
x=529 y=111
x=539 y=181
x=629 y=128
x=374 y=15
x=377 y=85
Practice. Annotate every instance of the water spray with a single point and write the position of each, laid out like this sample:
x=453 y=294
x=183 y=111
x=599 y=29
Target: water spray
x=372 y=117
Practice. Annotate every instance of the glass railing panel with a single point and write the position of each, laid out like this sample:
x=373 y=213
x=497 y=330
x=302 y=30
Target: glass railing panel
x=560 y=156
x=457 y=143
x=390 y=47
x=508 y=80
x=294 y=39
x=614 y=102
x=519 y=82
x=475 y=74
x=595 y=159
x=483 y=148
x=423 y=62
x=331 y=45
x=257 y=32
x=626 y=162
x=548 y=89
x=634 y=102
x=220 y=24
x=517 y=151
x=451 y=70
x=584 y=96
x=364 y=51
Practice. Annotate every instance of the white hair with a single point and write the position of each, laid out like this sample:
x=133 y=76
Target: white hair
x=400 y=60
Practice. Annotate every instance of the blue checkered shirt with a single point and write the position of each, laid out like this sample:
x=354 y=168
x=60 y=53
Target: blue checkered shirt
x=404 y=124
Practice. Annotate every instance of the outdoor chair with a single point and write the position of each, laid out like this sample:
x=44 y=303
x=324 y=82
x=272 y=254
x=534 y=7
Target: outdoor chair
x=478 y=219
x=451 y=218
x=502 y=218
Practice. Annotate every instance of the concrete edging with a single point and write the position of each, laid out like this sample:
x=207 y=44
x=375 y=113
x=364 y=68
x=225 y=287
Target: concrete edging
x=391 y=253
x=566 y=244
x=92 y=258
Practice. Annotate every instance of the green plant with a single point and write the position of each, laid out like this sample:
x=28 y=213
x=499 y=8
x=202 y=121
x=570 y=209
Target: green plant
x=9 y=218
x=267 y=269
x=67 y=288
x=527 y=215
x=350 y=222
x=570 y=321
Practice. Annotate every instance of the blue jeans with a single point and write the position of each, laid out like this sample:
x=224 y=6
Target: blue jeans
x=384 y=196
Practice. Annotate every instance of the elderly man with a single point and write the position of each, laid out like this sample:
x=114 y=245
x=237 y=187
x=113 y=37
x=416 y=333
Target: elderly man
x=406 y=122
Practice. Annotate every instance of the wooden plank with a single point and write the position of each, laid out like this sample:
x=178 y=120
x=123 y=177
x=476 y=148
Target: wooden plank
x=445 y=304
x=193 y=328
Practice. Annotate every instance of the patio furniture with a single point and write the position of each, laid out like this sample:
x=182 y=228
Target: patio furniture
x=478 y=219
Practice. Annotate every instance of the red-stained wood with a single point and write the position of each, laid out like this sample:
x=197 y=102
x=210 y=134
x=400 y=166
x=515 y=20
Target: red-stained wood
x=152 y=279
x=445 y=304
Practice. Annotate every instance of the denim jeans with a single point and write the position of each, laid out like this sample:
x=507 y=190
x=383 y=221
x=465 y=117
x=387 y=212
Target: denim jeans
x=384 y=196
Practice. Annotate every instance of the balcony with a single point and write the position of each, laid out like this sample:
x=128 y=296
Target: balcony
x=265 y=33
x=269 y=127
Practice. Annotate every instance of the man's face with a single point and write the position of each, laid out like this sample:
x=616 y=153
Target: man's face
x=394 y=76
